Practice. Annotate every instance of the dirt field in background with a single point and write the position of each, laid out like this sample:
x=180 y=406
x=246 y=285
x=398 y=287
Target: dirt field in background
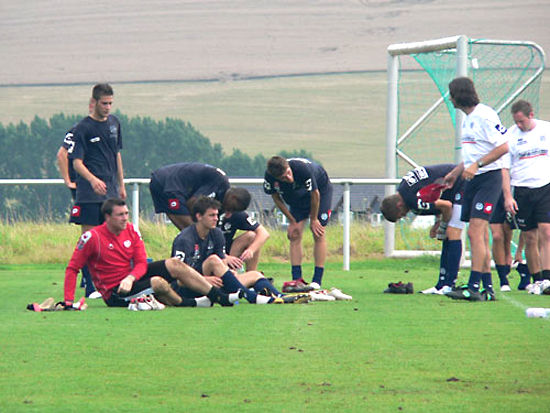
x=57 y=41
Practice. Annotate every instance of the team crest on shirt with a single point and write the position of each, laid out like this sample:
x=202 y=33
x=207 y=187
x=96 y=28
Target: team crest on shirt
x=111 y=246
x=488 y=208
x=542 y=138
x=457 y=197
x=227 y=227
x=127 y=243
x=501 y=129
x=173 y=204
x=84 y=238
x=75 y=212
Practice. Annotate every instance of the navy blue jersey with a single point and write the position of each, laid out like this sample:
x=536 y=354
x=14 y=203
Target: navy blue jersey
x=236 y=221
x=308 y=176
x=422 y=176
x=193 y=250
x=68 y=144
x=97 y=144
x=191 y=179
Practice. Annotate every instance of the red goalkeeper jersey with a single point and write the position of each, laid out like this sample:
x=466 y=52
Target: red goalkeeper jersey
x=109 y=257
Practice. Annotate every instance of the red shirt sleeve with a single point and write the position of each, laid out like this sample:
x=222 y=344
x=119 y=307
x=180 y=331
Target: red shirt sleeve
x=84 y=248
x=140 y=255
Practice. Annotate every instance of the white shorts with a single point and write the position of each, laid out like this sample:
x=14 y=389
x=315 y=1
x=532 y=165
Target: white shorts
x=455 y=221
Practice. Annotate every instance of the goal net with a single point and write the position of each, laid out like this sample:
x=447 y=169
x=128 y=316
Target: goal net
x=423 y=127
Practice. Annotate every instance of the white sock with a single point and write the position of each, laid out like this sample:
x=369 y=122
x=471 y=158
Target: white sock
x=262 y=299
x=203 y=301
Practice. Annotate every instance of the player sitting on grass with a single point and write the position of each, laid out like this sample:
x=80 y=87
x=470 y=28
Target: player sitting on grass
x=202 y=247
x=116 y=257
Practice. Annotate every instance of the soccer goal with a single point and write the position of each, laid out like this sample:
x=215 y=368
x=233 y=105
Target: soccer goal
x=423 y=127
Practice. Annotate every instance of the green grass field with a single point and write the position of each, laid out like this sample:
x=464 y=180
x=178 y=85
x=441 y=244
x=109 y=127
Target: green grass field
x=377 y=353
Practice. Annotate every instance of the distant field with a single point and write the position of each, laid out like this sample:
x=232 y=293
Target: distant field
x=340 y=118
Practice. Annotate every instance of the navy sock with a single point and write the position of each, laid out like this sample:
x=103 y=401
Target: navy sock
x=188 y=302
x=318 y=275
x=453 y=261
x=474 y=281
x=443 y=264
x=487 y=279
x=525 y=276
x=537 y=276
x=503 y=271
x=263 y=283
x=296 y=272
x=232 y=284
x=87 y=277
x=546 y=274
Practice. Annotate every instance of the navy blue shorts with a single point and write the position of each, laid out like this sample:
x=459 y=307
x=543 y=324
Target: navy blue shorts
x=167 y=202
x=533 y=206
x=500 y=216
x=141 y=286
x=481 y=196
x=87 y=214
x=301 y=210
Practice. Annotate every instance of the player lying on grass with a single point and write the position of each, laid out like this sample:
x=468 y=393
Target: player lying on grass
x=448 y=206
x=202 y=247
x=116 y=257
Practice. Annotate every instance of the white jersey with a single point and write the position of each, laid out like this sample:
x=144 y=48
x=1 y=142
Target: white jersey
x=530 y=155
x=481 y=133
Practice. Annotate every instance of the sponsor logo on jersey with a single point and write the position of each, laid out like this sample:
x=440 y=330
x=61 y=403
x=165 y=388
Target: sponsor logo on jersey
x=501 y=129
x=180 y=255
x=488 y=208
x=542 y=138
x=127 y=243
x=212 y=195
x=458 y=196
x=479 y=206
x=267 y=186
x=173 y=204
x=111 y=246
x=324 y=216
x=84 y=238
x=227 y=226
x=96 y=139
x=75 y=212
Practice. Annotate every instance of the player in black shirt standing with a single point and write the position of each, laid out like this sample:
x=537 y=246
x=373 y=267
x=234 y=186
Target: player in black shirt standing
x=95 y=156
x=306 y=188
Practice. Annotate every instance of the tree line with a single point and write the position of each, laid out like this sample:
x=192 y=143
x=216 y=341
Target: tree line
x=30 y=152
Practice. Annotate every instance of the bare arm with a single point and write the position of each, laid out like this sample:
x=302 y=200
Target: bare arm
x=63 y=166
x=314 y=223
x=120 y=177
x=282 y=206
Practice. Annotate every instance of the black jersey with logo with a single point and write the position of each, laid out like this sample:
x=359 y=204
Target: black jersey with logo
x=97 y=144
x=193 y=250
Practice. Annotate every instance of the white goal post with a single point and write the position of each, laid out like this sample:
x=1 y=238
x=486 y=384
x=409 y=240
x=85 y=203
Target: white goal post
x=466 y=64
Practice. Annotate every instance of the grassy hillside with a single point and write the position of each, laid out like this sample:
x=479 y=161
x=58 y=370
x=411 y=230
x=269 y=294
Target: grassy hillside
x=340 y=118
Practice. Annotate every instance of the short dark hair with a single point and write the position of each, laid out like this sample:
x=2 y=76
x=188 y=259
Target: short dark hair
x=102 y=89
x=389 y=207
x=108 y=206
x=204 y=203
x=277 y=166
x=522 y=106
x=463 y=91
x=236 y=199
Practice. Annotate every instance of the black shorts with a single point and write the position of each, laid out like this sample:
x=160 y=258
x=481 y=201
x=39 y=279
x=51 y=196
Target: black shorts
x=533 y=206
x=167 y=202
x=481 y=196
x=500 y=216
x=300 y=211
x=87 y=214
x=141 y=286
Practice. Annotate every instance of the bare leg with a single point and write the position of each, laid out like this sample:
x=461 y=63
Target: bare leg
x=180 y=221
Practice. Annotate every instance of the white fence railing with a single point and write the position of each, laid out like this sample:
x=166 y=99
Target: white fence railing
x=346 y=182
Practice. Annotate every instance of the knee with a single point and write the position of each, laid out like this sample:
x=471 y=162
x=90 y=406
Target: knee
x=295 y=235
x=160 y=285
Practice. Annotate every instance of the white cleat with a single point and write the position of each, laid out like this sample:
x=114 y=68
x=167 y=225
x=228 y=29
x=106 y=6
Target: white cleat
x=534 y=288
x=148 y=303
x=95 y=295
x=133 y=305
x=321 y=296
x=339 y=295
x=314 y=285
x=431 y=290
x=203 y=301
x=505 y=288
